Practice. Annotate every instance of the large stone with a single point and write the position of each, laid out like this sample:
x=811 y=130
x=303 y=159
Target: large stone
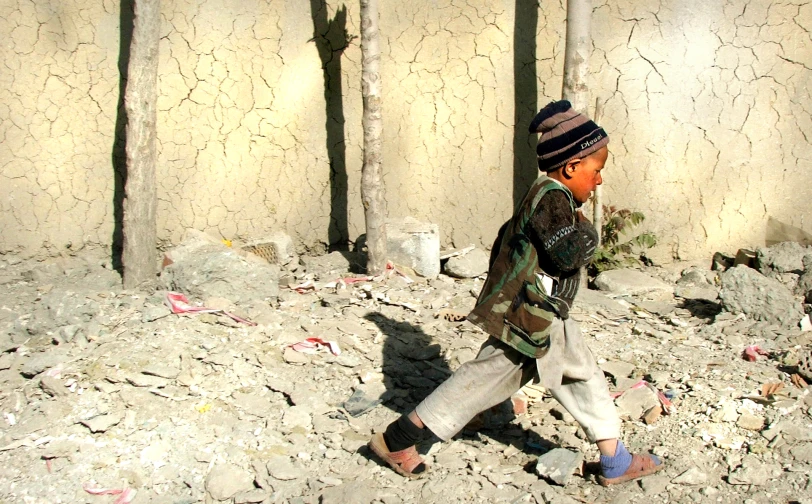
x=224 y=481
x=692 y=476
x=634 y=402
x=469 y=265
x=629 y=281
x=214 y=270
x=753 y=472
x=588 y=298
x=558 y=465
x=785 y=257
x=414 y=244
x=744 y=290
x=355 y=492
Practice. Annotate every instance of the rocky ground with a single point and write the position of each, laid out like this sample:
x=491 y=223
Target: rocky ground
x=107 y=396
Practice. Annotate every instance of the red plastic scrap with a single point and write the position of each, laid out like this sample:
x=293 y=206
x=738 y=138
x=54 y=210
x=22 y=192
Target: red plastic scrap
x=752 y=352
x=125 y=495
x=178 y=303
x=312 y=345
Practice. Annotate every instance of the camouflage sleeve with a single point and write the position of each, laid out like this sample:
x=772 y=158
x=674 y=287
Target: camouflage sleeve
x=561 y=244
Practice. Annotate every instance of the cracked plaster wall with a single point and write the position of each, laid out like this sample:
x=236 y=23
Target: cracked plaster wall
x=708 y=107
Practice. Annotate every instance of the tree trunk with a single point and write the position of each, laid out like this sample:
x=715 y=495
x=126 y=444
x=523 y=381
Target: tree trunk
x=576 y=54
x=139 y=255
x=576 y=65
x=372 y=190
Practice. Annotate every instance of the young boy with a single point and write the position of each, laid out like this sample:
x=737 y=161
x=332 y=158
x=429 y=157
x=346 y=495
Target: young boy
x=524 y=308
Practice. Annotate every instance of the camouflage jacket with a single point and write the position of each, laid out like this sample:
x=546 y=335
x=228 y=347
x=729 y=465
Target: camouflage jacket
x=513 y=305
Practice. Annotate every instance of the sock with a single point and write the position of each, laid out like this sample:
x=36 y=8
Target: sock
x=612 y=467
x=401 y=434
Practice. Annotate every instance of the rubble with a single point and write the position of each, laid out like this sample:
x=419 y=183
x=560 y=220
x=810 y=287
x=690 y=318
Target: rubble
x=103 y=390
x=469 y=265
x=629 y=281
x=746 y=291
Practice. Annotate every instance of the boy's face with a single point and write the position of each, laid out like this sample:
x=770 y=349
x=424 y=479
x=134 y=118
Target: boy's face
x=582 y=176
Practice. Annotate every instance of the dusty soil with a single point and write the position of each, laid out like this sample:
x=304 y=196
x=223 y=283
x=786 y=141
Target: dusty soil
x=103 y=388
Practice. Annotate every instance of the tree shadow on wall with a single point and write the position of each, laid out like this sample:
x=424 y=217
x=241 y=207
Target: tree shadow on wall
x=331 y=39
x=525 y=96
x=119 y=154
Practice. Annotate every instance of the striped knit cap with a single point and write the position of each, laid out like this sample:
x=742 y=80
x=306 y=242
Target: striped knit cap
x=565 y=135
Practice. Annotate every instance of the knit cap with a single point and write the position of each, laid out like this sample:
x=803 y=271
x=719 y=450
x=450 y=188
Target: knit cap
x=565 y=135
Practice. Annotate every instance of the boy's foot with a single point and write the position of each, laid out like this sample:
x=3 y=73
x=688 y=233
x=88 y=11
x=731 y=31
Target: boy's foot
x=641 y=465
x=405 y=462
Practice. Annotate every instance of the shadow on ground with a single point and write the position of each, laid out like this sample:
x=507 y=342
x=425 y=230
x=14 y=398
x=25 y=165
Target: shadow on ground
x=413 y=367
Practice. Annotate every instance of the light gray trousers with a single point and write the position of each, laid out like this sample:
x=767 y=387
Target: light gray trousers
x=568 y=370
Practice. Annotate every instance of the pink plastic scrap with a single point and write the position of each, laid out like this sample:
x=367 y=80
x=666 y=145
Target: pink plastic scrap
x=667 y=405
x=752 y=352
x=178 y=303
x=125 y=495
x=312 y=345
x=391 y=269
x=303 y=287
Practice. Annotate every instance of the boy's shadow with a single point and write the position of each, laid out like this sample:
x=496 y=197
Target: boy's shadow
x=413 y=367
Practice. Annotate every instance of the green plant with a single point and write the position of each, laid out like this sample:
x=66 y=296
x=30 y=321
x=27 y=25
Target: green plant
x=616 y=250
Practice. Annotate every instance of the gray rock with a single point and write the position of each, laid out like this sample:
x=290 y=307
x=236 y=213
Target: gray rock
x=785 y=257
x=40 y=362
x=297 y=416
x=281 y=468
x=693 y=476
x=802 y=452
x=68 y=307
x=593 y=298
x=694 y=277
x=224 y=481
x=558 y=465
x=363 y=399
x=753 y=472
x=154 y=313
x=102 y=422
x=253 y=404
x=161 y=371
x=7 y=360
x=52 y=386
x=414 y=244
x=705 y=293
x=355 y=492
x=634 y=402
x=629 y=281
x=655 y=484
x=617 y=369
x=217 y=271
x=251 y=496
x=69 y=332
x=744 y=290
x=469 y=265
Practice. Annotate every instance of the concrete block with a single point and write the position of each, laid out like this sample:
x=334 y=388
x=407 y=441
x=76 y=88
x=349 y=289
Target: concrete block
x=414 y=244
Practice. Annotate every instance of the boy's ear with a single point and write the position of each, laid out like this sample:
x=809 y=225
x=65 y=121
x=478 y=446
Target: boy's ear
x=570 y=167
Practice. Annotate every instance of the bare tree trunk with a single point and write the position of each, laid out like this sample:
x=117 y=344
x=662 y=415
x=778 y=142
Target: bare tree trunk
x=576 y=65
x=139 y=256
x=372 y=190
x=576 y=54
